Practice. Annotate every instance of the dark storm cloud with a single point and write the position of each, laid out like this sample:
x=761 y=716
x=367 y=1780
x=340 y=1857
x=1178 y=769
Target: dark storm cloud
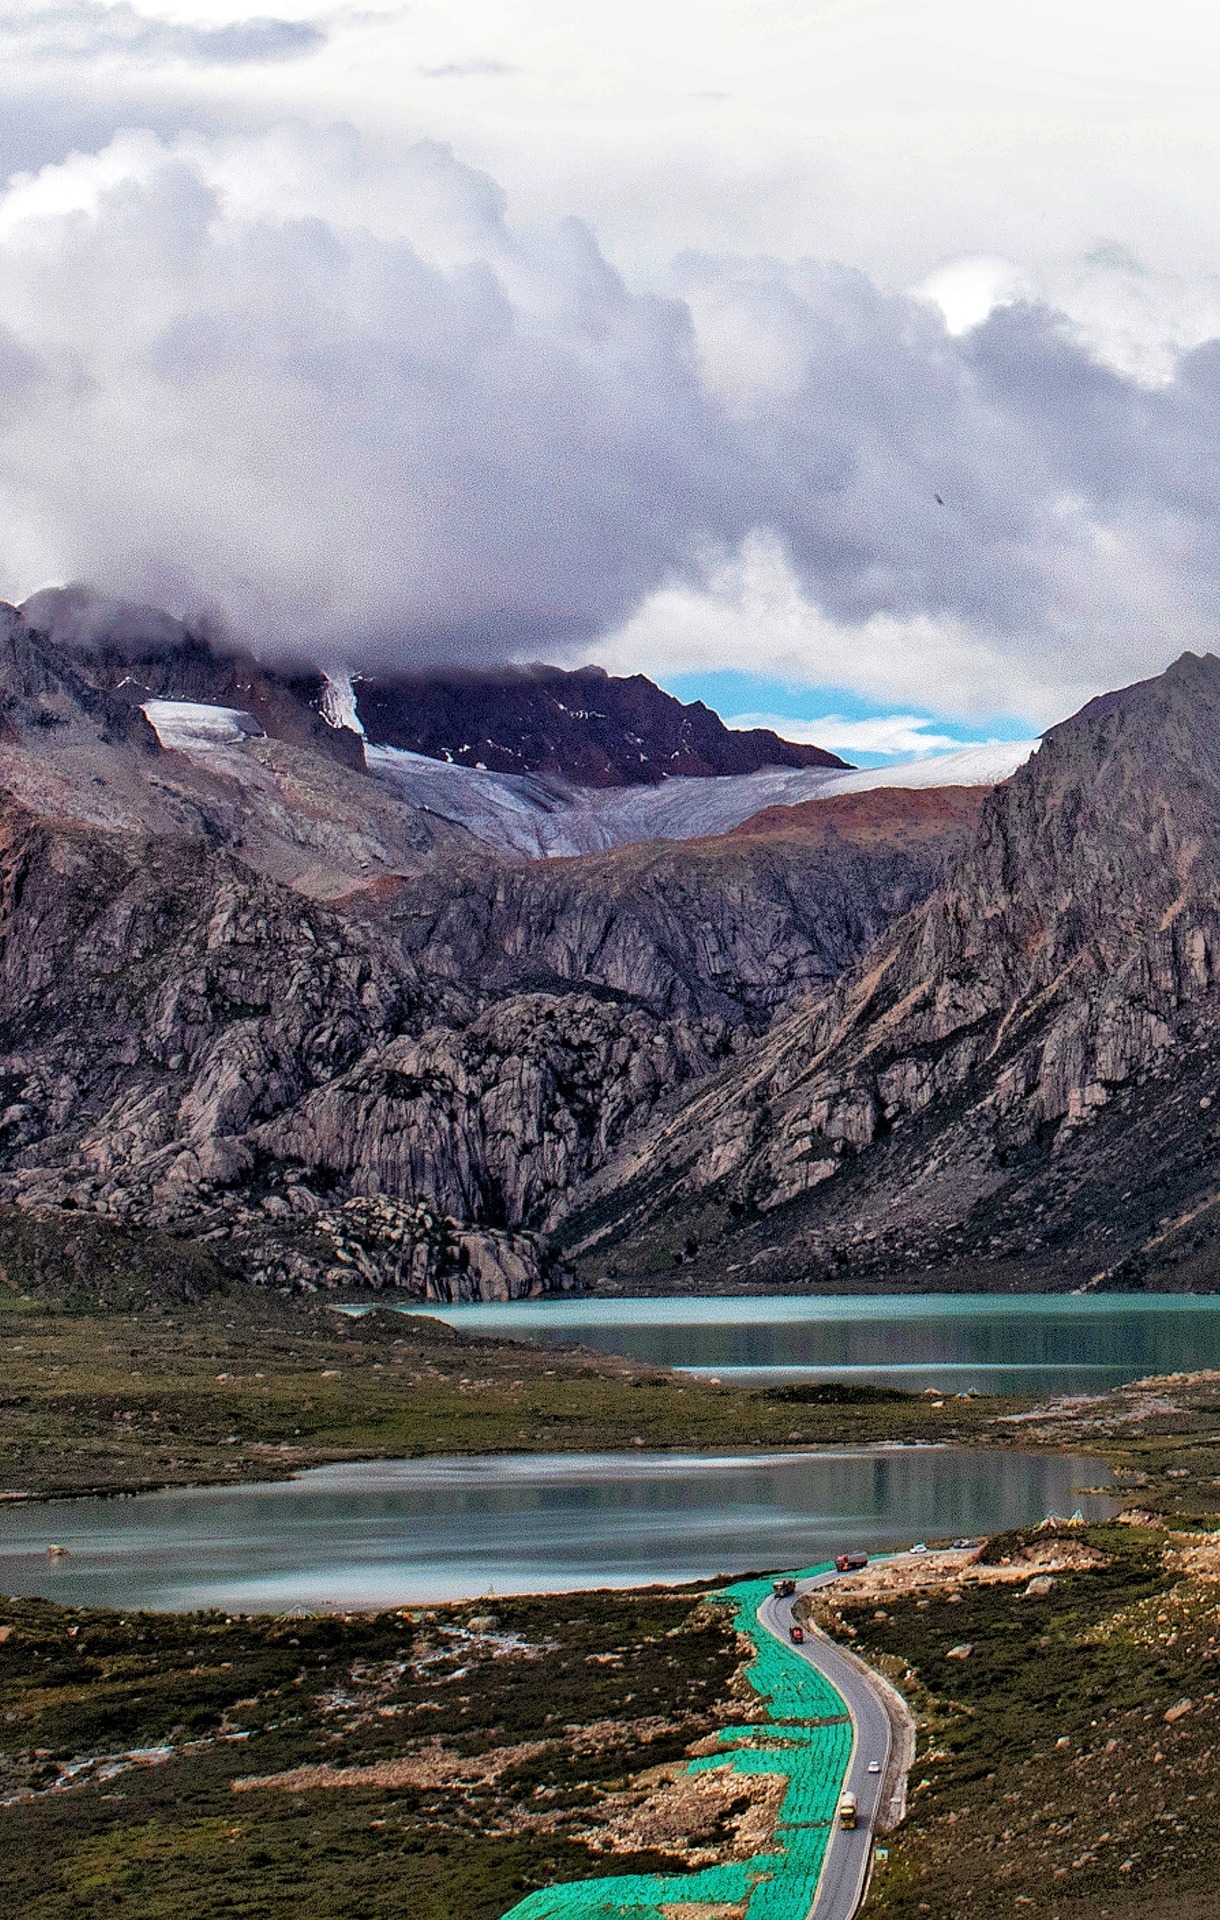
x=84 y=30
x=405 y=426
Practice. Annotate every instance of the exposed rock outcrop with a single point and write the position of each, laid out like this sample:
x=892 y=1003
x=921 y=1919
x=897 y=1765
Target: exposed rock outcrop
x=186 y=1043
x=737 y=926
x=251 y=1000
x=1018 y=1078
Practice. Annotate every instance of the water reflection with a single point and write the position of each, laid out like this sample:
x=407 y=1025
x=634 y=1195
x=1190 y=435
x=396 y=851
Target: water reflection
x=401 y=1532
x=1031 y=1343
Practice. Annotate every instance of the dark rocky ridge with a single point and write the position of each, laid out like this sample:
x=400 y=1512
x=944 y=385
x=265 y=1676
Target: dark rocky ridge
x=1017 y=1085
x=139 y=653
x=588 y=727
x=44 y=699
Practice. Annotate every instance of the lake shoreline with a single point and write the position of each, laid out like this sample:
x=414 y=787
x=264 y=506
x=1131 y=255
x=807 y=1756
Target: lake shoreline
x=1020 y=1345
x=254 y=1388
x=367 y=1536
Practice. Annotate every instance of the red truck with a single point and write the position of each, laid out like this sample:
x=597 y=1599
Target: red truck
x=850 y=1562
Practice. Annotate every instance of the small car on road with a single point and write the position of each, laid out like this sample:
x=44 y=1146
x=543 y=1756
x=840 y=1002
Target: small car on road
x=798 y=1634
x=874 y=1766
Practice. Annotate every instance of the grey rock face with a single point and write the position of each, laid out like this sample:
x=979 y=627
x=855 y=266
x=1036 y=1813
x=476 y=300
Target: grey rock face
x=42 y=696
x=187 y=1044
x=732 y=927
x=1043 y=1016
x=399 y=1084
x=384 y=1242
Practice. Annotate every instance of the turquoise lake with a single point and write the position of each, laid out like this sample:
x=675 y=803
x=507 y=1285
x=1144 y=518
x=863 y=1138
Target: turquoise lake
x=1026 y=1343
x=399 y=1532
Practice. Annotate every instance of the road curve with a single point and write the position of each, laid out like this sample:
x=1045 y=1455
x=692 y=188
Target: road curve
x=849 y=1852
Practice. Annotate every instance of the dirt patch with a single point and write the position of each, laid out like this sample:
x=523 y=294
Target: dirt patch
x=598 y=1734
x=705 y=1910
x=937 y=1573
x=705 y=1819
x=431 y=1767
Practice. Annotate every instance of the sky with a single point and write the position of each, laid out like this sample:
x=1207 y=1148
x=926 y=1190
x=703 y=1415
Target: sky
x=851 y=364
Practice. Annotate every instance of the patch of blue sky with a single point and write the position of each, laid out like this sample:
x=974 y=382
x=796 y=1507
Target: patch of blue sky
x=867 y=733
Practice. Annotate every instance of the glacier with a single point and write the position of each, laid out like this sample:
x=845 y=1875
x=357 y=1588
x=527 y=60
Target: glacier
x=540 y=816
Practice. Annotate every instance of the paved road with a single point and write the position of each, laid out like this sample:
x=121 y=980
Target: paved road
x=845 y=1873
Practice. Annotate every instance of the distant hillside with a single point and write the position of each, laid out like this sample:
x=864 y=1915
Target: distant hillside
x=140 y=653
x=585 y=727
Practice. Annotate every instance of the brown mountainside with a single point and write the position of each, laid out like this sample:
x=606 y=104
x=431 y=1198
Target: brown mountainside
x=588 y=726
x=892 y=816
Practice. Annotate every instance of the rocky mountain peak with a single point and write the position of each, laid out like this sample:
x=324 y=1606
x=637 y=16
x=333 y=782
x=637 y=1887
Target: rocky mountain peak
x=138 y=653
x=265 y=1002
x=43 y=698
x=959 y=1082
x=586 y=726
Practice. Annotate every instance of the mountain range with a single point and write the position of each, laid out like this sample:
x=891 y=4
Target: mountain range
x=1016 y=1086
x=474 y=985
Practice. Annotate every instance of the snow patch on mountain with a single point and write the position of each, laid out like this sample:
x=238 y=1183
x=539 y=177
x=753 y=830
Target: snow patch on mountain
x=339 y=703
x=191 y=725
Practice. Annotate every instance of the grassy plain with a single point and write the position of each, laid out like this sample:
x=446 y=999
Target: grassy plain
x=1048 y=1779
x=1066 y=1766
x=251 y=1387
x=121 y=1740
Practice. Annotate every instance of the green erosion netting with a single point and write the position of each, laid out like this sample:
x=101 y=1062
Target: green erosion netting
x=810 y=1743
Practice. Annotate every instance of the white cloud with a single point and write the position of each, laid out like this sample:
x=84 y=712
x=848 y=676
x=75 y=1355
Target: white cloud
x=88 y=30
x=751 y=611
x=968 y=290
x=340 y=395
x=896 y=733
x=1132 y=318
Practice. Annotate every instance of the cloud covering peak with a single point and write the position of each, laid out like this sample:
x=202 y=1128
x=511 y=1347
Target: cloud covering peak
x=345 y=402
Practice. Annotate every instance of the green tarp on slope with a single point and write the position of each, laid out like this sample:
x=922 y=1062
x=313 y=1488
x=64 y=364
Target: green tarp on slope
x=813 y=1756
